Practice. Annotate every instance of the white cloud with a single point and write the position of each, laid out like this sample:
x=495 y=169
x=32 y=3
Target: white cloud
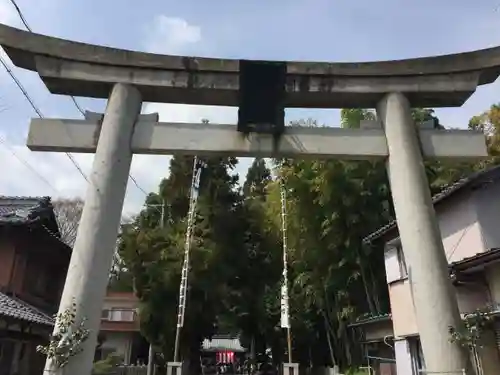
x=171 y=35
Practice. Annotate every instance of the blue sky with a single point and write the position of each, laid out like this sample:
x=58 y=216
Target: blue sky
x=316 y=30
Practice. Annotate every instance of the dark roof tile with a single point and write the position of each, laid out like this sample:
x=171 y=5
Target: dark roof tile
x=16 y=309
x=362 y=320
x=484 y=257
x=22 y=209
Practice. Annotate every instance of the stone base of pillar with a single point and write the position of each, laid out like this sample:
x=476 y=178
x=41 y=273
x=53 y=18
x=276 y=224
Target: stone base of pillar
x=290 y=369
x=174 y=368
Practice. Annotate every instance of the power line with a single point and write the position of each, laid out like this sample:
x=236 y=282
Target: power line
x=25 y=23
x=137 y=185
x=26 y=164
x=39 y=113
x=18 y=10
x=21 y=87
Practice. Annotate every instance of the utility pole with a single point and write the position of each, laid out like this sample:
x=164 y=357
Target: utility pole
x=193 y=199
x=285 y=315
x=151 y=353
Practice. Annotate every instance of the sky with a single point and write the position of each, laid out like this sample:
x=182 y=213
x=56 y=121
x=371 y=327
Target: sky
x=307 y=30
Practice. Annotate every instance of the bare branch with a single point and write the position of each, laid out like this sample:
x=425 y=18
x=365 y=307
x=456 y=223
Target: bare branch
x=68 y=214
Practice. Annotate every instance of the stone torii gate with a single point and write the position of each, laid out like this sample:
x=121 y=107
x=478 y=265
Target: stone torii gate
x=261 y=90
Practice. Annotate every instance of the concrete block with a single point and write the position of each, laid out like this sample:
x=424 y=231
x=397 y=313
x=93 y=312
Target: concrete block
x=290 y=369
x=174 y=368
x=151 y=137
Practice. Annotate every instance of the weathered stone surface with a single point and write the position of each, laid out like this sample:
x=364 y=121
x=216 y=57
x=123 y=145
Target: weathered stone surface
x=81 y=69
x=151 y=137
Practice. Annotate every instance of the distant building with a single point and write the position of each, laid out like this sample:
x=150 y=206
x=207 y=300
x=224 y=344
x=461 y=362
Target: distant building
x=33 y=266
x=120 y=332
x=223 y=349
x=468 y=214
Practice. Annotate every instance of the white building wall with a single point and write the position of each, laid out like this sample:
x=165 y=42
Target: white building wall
x=392 y=269
x=404 y=364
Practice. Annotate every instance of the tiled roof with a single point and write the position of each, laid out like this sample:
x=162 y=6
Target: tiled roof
x=371 y=319
x=489 y=175
x=21 y=210
x=16 y=309
x=223 y=343
x=475 y=260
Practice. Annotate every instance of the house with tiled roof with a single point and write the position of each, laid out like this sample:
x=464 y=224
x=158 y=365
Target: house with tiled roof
x=468 y=214
x=33 y=266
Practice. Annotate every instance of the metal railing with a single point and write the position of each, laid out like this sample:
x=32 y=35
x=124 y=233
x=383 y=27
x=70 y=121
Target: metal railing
x=128 y=370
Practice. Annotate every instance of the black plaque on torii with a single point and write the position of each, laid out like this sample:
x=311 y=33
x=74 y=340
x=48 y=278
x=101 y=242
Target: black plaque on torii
x=261 y=97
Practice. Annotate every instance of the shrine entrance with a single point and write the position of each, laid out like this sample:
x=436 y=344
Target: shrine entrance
x=261 y=90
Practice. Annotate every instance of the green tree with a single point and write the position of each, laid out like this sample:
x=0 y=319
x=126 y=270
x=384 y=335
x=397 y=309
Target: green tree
x=258 y=177
x=332 y=206
x=154 y=255
x=257 y=267
x=489 y=123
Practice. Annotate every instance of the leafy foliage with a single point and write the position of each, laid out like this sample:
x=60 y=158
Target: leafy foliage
x=108 y=365
x=67 y=340
x=469 y=334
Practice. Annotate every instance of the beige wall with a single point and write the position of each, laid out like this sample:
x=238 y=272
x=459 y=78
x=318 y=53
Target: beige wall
x=403 y=315
x=487 y=202
x=469 y=298
x=460 y=229
x=119 y=304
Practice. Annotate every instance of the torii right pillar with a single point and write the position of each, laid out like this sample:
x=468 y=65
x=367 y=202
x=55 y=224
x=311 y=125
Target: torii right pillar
x=434 y=300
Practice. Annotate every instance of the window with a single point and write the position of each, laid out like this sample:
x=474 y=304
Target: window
x=118 y=315
x=395 y=264
x=126 y=315
x=417 y=356
x=403 y=271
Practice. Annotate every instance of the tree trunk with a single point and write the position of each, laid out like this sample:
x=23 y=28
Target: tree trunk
x=328 y=339
x=365 y=284
x=375 y=290
x=252 y=348
x=347 y=343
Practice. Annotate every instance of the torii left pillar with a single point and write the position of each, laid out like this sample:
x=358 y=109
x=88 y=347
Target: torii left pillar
x=92 y=255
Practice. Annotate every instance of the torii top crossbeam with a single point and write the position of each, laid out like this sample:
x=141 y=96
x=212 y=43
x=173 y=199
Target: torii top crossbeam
x=80 y=69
